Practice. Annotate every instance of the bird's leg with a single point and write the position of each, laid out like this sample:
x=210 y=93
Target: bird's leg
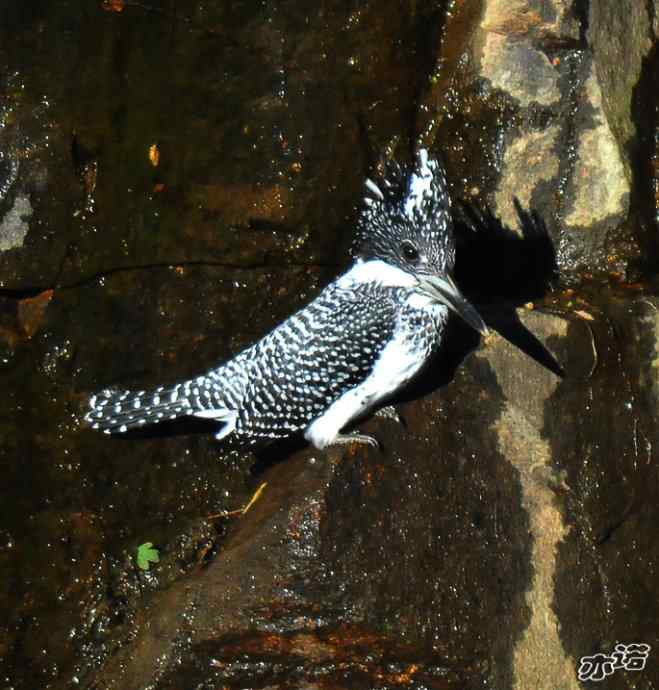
x=326 y=430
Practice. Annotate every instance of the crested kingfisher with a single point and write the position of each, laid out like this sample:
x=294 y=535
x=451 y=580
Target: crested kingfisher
x=362 y=339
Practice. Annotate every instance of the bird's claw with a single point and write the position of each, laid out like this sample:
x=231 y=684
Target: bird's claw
x=356 y=437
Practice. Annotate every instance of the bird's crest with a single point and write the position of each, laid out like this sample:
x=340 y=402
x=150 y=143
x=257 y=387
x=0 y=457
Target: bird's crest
x=410 y=205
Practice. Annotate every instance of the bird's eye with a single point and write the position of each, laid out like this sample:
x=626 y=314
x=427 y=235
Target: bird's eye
x=410 y=252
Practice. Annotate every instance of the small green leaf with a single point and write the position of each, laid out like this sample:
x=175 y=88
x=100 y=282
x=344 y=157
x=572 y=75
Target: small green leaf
x=146 y=555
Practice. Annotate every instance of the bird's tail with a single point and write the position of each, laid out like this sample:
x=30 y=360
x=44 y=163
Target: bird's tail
x=117 y=411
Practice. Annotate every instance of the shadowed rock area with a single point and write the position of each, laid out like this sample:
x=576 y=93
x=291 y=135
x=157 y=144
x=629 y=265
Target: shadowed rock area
x=175 y=180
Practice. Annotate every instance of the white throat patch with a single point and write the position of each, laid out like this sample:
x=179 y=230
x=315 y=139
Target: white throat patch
x=376 y=271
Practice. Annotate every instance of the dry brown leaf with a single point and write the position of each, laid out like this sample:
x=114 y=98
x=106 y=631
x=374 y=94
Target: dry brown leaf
x=113 y=5
x=31 y=312
x=154 y=155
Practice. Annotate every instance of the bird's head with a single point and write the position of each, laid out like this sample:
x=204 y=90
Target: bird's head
x=406 y=222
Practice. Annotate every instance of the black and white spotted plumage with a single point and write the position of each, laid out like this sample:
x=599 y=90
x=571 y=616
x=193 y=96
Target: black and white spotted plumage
x=363 y=338
x=404 y=208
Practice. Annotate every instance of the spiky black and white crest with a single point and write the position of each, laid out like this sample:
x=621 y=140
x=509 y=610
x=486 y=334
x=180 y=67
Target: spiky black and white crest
x=407 y=207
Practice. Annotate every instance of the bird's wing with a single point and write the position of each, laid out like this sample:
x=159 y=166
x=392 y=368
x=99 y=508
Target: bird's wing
x=315 y=356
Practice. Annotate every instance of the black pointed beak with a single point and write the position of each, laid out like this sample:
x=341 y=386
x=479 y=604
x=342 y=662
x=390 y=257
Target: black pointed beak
x=444 y=290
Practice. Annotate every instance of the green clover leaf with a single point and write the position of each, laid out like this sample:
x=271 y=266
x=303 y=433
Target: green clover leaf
x=146 y=555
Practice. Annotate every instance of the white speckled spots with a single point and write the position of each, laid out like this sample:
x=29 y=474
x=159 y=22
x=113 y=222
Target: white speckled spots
x=373 y=188
x=420 y=185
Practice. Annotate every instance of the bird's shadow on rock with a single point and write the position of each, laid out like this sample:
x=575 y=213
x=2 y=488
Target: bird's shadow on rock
x=265 y=455
x=183 y=426
x=495 y=264
x=499 y=270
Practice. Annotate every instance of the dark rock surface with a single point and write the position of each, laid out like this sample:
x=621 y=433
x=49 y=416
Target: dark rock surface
x=175 y=179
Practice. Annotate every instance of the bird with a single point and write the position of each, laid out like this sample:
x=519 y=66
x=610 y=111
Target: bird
x=365 y=337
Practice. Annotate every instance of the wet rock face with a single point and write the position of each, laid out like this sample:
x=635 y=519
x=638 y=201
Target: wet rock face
x=174 y=181
x=571 y=100
x=486 y=542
